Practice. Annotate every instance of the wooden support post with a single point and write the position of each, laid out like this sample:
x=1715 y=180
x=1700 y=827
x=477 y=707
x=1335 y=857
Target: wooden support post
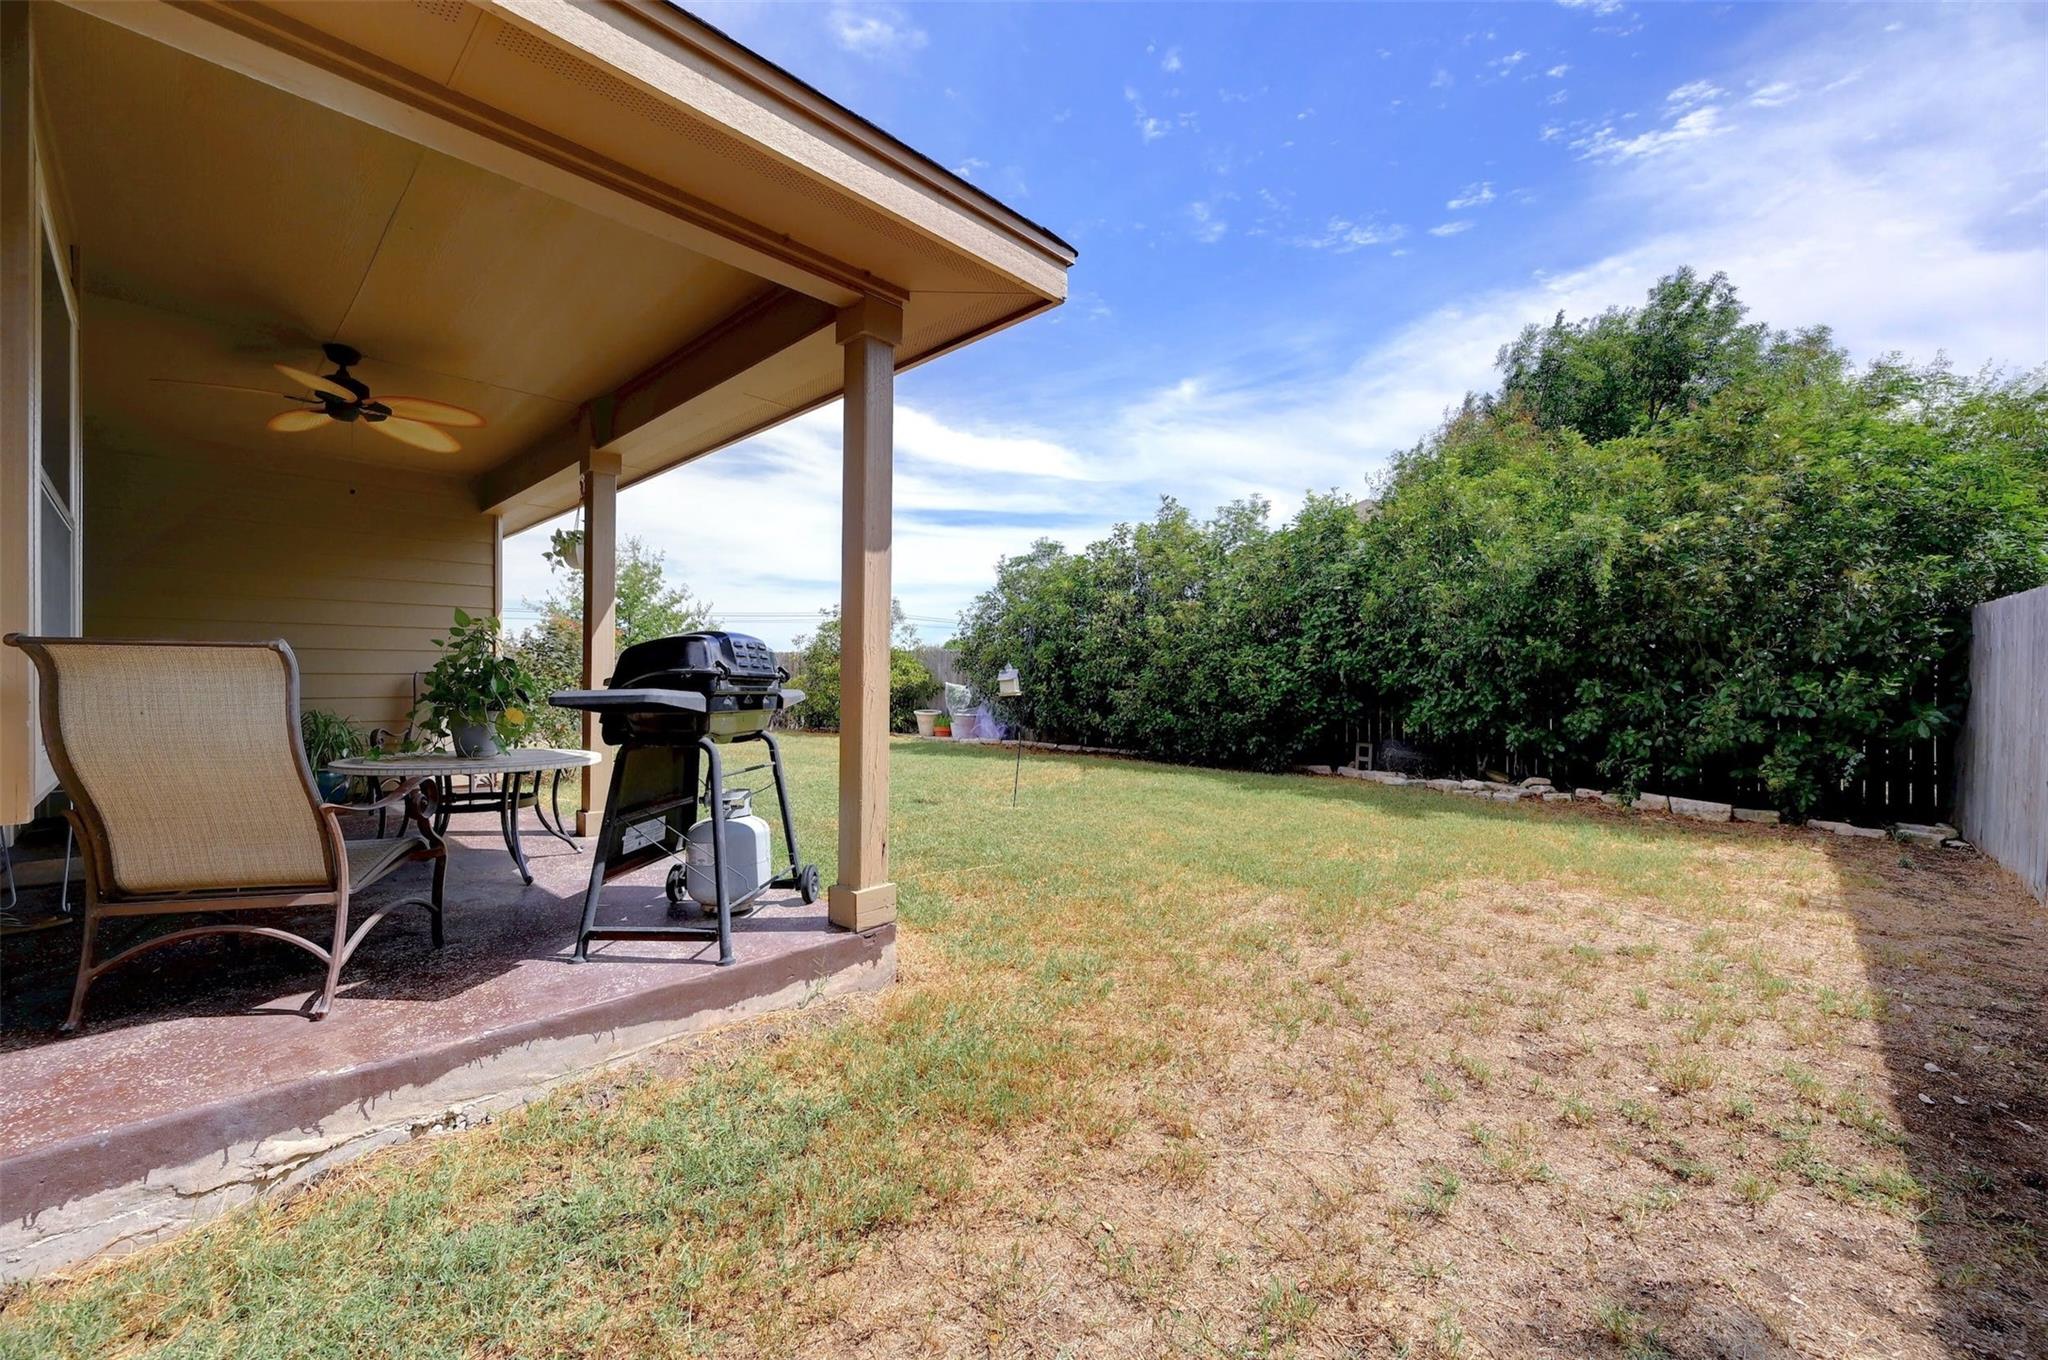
x=869 y=332
x=600 y=617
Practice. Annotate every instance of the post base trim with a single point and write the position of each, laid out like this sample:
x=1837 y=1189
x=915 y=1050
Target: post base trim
x=861 y=908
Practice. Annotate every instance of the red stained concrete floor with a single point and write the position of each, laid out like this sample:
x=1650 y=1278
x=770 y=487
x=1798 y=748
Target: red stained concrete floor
x=201 y=1046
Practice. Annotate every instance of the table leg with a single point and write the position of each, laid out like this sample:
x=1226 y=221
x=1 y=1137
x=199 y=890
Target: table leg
x=508 y=817
x=552 y=826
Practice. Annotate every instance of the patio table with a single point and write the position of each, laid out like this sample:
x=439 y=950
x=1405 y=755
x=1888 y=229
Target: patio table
x=509 y=769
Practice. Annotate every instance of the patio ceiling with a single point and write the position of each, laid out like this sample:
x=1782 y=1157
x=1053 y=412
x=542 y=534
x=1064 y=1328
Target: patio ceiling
x=273 y=224
x=604 y=227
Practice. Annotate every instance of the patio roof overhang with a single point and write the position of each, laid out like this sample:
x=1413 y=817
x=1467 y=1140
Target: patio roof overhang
x=621 y=237
x=607 y=227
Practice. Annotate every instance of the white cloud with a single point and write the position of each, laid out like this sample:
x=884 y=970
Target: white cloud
x=1694 y=125
x=1150 y=127
x=1452 y=228
x=874 y=30
x=1694 y=92
x=1557 y=72
x=1171 y=61
x=1772 y=95
x=1592 y=6
x=966 y=168
x=1441 y=80
x=1343 y=236
x=1472 y=196
x=1509 y=62
x=1209 y=228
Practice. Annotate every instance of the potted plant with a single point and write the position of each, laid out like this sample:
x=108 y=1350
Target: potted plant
x=475 y=696
x=328 y=738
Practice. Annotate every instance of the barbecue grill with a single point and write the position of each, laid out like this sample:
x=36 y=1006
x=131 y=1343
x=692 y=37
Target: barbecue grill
x=669 y=706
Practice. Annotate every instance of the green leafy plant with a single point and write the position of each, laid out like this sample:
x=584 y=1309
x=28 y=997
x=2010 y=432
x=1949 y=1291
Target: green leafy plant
x=817 y=675
x=650 y=604
x=475 y=683
x=328 y=737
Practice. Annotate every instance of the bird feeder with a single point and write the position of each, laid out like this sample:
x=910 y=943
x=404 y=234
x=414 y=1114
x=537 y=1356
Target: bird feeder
x=1011 y=686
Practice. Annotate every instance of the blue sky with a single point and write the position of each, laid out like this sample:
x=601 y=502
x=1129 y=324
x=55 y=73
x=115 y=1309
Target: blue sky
x=1304 y=230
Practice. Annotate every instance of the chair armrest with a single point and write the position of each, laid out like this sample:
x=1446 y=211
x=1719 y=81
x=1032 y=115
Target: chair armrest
x=394 y=798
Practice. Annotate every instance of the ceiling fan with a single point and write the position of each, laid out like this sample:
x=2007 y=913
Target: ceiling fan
x=343 y=397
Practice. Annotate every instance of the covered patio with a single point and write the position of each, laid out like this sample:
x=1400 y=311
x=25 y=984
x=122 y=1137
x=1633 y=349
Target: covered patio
x=619 y=238
x=199 y=1083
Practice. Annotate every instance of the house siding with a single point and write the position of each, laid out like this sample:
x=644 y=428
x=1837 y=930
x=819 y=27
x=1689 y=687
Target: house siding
x=359 y=568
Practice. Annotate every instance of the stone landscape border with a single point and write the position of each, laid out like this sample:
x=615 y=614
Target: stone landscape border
x=1697 y=809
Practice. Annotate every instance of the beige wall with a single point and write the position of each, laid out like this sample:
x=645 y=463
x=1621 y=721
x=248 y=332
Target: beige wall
x=357 y=567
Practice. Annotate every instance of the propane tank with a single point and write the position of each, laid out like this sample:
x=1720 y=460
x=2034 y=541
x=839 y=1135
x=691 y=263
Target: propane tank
x=747 y=850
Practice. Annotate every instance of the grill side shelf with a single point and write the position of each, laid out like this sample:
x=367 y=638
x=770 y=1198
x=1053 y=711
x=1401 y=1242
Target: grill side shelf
x=618 y=700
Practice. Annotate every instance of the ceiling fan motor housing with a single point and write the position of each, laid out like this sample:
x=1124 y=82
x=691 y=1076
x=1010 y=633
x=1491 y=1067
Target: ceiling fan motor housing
x=342 y=356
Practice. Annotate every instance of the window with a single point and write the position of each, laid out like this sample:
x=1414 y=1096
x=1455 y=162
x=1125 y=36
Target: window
x=55 y=365
x=56 y=590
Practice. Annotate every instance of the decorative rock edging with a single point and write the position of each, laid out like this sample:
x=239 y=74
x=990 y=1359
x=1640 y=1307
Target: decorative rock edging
x=1695 y=809
x=1008 y=743
x=1845 y=829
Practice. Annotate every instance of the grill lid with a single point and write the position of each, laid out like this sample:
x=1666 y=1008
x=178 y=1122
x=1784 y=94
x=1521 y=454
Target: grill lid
x=689 y=660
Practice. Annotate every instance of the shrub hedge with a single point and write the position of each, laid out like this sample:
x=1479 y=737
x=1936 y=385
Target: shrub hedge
x=1675 y=549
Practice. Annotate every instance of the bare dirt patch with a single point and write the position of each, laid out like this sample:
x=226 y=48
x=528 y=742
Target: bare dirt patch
x=1532 y=1120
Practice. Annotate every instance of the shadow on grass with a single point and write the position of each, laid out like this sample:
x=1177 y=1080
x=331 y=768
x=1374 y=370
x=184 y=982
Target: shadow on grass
x=1956 y=953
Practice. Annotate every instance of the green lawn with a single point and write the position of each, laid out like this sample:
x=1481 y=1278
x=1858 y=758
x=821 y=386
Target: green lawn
x=1191 y=1063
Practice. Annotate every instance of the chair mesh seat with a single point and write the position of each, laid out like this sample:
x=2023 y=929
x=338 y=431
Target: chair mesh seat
x=369 y=861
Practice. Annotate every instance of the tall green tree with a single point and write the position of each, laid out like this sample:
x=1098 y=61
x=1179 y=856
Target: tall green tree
x=650 y=605
x=817 y=673
x=1676 y=548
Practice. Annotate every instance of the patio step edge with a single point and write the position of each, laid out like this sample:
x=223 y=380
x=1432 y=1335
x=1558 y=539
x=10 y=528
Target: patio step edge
x=124 y=1188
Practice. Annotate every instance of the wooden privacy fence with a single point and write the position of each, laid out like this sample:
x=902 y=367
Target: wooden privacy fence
x=1893 y=781
x=2002 y=757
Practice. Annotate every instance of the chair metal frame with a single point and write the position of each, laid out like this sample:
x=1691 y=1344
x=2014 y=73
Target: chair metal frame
x=104 y=900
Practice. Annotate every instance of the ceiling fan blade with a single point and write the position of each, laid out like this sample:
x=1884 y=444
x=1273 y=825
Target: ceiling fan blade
x=293 y=422
x=416 y=434
x=318 y=384
x=433 y=412
x=231 y=387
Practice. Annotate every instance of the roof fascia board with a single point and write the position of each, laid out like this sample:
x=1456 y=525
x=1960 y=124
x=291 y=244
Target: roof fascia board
x=694 y=68
x=753 y=67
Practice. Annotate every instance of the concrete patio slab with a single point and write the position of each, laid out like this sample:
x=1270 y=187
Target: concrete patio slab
x=196 y=1083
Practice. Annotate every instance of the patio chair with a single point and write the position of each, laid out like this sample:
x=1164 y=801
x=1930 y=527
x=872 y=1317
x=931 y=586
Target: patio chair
x=151 y=741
